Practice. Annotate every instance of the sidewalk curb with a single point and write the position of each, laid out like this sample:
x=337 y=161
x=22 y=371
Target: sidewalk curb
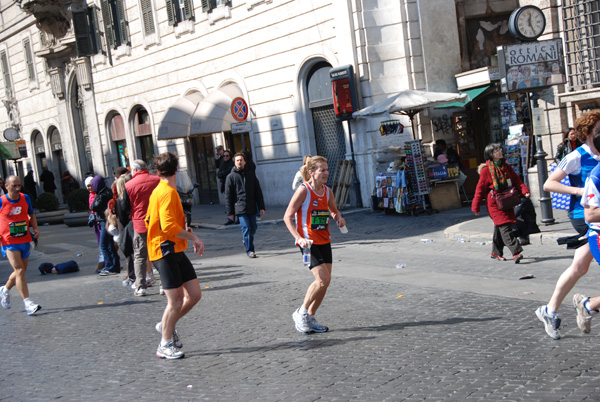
x=457 y=232
x=212 y=226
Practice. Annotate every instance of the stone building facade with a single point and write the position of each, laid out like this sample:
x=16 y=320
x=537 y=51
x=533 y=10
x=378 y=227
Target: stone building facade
x=108 y=81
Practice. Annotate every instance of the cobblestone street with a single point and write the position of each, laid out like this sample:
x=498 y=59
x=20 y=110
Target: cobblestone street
x=452 y=325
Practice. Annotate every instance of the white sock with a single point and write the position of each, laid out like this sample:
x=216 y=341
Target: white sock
x=302 y=310
x=550 y=312
x=164 y=342
x=27 y=301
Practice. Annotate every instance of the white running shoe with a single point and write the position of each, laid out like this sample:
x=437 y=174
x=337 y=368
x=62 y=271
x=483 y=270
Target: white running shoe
x=315 y=326
x=141 y=292
x=161 y=291
x=169 y=352
x=32 y=308
x=551 y=323
x=301 y=321
x=4 y=297
x=176 y=339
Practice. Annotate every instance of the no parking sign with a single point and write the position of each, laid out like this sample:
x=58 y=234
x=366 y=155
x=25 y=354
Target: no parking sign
x=239 y=109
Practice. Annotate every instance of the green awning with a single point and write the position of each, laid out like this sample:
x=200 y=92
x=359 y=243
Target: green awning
x=471 y=95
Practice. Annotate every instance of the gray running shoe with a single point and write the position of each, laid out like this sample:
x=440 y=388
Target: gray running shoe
x=4 y=297
x=32 y=308
x=315 y=326
x=169 y=352
x=301 y=321
x=552 y=323
x=176 y=340
x=584 y=318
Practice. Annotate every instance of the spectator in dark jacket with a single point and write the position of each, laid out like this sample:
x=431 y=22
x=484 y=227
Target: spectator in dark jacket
x=244 y=197
x=569 y=143
x=224 y=170
x=68 y=184
x=112 y=265
x=47 y=177
x=30 y=186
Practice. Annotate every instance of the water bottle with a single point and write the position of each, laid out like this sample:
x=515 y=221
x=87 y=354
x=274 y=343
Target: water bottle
x=306 y=255
x=344 y=229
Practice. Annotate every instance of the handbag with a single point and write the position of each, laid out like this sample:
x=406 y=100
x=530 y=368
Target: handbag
x=508 y=199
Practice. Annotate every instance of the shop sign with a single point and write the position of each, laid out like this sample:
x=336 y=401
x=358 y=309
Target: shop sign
x=531 y=65
x=237 y=128
x=9 y=150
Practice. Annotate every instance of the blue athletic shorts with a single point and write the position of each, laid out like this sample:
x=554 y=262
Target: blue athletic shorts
x=23 y=248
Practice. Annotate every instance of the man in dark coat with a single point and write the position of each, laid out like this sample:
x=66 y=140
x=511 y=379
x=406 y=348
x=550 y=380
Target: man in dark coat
x=224 y=170
x=30 y=187
x=48 y=179
x=244 y=196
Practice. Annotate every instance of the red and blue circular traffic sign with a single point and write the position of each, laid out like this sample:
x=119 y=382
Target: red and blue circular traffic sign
x=239 y=109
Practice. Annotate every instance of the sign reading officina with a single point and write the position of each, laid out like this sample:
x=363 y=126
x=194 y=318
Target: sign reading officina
x=531 y=65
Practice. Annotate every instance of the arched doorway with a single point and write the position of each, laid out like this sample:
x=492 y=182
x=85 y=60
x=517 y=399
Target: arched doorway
x=116 y=129
x=329 y=134
x=39 y=150
x=82 y=138
x=142 y=130
x=56 y=150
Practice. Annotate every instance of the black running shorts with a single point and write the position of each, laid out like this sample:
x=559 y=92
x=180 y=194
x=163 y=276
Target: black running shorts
x=319 y=254
x=175 y=269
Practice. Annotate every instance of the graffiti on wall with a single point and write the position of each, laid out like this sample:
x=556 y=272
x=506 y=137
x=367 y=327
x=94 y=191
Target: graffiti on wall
x=442 y=123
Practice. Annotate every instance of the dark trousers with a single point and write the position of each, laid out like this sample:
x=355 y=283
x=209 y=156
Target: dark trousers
x=504 y=236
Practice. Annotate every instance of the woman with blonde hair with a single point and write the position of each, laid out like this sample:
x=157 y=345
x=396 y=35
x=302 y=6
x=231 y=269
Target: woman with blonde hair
x=301 y=175
x=310 y=208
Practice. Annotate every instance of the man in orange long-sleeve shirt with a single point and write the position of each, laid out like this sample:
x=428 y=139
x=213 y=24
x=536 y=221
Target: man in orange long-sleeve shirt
x=167 y=241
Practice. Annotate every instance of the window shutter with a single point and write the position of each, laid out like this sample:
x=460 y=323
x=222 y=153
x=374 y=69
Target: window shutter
x=123 y=24
x=206 y=6
x=147 y=17
x=29 y=60
x=6 y=73
x=188 y=9
x=82 y=35
x=108 y=23
x=95 y=30
x=171 y=12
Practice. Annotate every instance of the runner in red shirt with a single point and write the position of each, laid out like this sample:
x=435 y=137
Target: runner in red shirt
x=16 y=216
x=311 y=205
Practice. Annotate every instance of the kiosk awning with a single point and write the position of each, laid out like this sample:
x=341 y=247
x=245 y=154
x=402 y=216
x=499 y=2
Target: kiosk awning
x=471 y=95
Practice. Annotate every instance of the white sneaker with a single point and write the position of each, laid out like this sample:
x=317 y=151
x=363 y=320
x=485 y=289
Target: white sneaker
x=4 y=297
x=315 y=326
x=176 y=339
x=169 y=352
x=141 y=292
x=161 y=291
x=32 y=308
x=301 y=321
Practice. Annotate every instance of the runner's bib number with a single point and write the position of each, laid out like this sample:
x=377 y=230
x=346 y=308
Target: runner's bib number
x=17 y=229
x=319 y=219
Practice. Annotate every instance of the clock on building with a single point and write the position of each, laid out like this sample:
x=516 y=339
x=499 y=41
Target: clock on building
x=11 y=134
x=527 y=23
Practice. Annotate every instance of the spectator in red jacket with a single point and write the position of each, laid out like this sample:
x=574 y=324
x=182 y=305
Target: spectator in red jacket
x=138 y=191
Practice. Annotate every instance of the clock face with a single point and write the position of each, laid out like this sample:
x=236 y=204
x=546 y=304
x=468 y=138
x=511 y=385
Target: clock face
x=527 y=23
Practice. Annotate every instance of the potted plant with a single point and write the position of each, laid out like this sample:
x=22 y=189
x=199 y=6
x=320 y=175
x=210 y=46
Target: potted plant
x=78 y=202
x=47 y=209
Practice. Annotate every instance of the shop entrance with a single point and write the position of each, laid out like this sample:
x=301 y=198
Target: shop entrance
x=238 y=142
x=203 y=150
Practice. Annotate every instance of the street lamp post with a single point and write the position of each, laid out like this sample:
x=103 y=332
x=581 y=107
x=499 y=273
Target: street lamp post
x=542 y=168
